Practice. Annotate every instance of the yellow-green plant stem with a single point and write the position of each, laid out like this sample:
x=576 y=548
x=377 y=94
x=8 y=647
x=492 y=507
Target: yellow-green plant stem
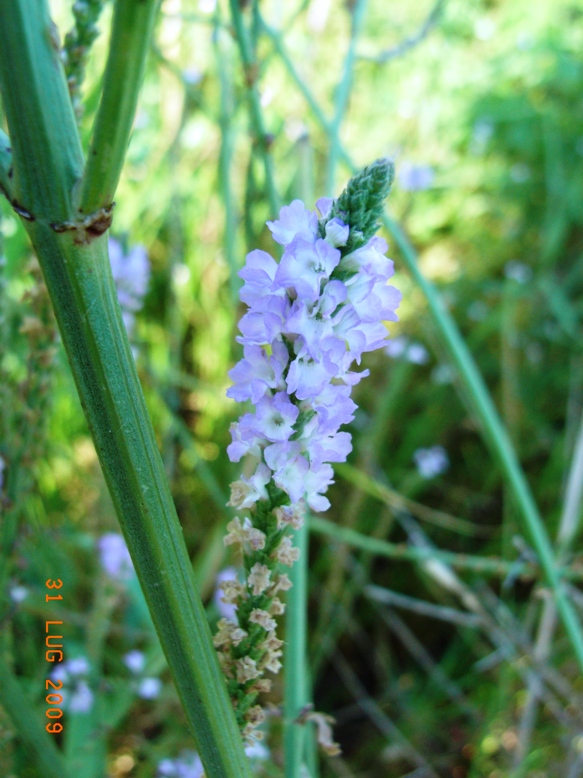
x=31 y=731
x=296 y=685
x=48 y=163
x=250 y=73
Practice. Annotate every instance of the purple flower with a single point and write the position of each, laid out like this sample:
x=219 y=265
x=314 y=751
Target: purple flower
x=188 y=765
x=275 y=417
x=18 y=593
x=294 y=219
x=135 y=661
x=431 y=462
x=257 y=372
x=414 y=178
x=77 y=696
x=131 y=273
x=311 y=317
x=258 y=274
x=304 y=265
x=149 y=688
x=80 y=699
x=114 y=556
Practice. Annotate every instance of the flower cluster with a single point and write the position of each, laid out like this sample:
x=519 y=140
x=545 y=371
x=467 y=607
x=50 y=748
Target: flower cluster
x=311 y=316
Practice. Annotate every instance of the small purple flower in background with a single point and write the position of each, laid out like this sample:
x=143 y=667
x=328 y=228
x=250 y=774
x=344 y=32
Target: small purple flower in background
x=131 y=273
x=415 y=178
x=2 y=468
x=77 y=696
x=18 y=593
x=135 y=661
x=402 y=348
x=431 y=462
x=311 y=317
x=77 y=666
x=81 y=699
x=114 y=556
x=149 y=688
x=518 y=271
x=146 y=688
x=188 y=765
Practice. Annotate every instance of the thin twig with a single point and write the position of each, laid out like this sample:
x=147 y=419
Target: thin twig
x=409 y=43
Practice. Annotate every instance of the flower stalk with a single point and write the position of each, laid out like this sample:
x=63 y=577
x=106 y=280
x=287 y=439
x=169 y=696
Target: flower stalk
x=310 y=317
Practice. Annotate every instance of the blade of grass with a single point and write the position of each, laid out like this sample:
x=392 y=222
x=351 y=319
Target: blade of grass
x=250 y=73
x=28 y=727
x=397 y=501
x=343 y=95
x=568 y=527
x=411 y=553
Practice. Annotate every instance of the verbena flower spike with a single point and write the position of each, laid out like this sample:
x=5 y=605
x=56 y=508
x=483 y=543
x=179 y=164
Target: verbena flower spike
x=311 y=317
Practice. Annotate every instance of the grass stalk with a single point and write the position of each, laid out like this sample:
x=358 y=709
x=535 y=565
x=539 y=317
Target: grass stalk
x=38 y=741
x=343 y=96
x=251 y=73
x=569 y=524
x=399 y=551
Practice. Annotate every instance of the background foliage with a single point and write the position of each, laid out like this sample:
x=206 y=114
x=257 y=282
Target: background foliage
x=481 y=105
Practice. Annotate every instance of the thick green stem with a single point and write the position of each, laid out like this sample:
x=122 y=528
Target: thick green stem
x=39 y=743
x=133 y=22
x=296 y=684
x=73 y=257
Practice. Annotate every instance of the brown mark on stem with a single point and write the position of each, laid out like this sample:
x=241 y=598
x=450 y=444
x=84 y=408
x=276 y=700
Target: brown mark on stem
x=90 y=227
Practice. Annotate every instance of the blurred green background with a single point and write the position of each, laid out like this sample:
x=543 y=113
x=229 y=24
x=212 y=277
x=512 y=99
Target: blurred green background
x=427 y=672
